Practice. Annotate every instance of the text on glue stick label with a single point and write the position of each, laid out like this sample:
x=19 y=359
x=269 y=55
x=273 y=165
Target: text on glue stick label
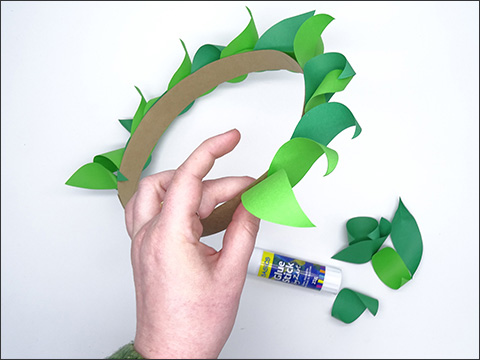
x=291 y=271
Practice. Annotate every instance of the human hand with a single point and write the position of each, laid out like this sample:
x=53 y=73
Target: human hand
x=187 y=293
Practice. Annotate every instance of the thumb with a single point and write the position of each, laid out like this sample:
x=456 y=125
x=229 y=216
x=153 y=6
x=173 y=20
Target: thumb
x=238 y=242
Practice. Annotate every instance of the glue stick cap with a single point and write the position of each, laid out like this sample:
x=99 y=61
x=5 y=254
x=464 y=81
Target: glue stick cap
x=333 y=279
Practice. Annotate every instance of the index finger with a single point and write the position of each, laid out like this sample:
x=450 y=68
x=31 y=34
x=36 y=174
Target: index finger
x=184 y=195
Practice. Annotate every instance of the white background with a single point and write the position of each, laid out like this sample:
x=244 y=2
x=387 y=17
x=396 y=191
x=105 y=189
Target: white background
x=68 y=73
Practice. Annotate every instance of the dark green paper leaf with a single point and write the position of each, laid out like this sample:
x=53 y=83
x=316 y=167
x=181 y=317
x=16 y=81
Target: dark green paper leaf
x=349 y=305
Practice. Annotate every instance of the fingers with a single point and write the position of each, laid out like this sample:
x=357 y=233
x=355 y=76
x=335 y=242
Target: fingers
x=147 y=201
x=220 y=190
x=185 y=190
x=238 y=243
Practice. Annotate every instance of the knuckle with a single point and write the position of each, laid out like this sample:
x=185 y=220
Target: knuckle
x=146 y=182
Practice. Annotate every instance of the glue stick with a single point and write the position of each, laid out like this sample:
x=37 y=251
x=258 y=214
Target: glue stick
x=270 y=265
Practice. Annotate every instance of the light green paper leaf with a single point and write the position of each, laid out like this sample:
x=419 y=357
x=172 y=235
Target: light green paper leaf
x=150 y=103
x=330 y=84
x=326 y=121
x=298 y=155
x=110 y=160
x=244 y=42
x=281 y=35
x=349 y=305
x=390 y=268
x=139 y=113
x=317 y=68
x=183 y=71
x=406 y=237
x=273 y=200
x=93 y=176
x=308 y=41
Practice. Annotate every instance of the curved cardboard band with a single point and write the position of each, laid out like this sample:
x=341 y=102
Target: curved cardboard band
x=167 y=108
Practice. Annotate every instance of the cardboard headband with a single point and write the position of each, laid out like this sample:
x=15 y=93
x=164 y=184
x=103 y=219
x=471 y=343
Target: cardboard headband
x=293 y=44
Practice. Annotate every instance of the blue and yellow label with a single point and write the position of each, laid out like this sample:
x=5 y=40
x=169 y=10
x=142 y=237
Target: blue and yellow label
x=291 y=271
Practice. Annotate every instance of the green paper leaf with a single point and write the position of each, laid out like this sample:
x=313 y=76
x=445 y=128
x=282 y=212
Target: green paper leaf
x=139 y=113
x=361 y=228
x=244 y=42
x=385 y=227
x=326 y=121
x=308 y=42
x=406 y=237
x=298 y=155
x=365 y=237
x=377 y=243
x=347 y=71
x=358 y=253
x=150 y=103
x=317 y=69
x=110 y=160
x=273 y=200
x=183 y=71
x=330 y=84
x=281 y=35
x=205 y=55
x=390 y=268
x=349 y=305
x=126 y=123
x=93 y=176
x=121 y=177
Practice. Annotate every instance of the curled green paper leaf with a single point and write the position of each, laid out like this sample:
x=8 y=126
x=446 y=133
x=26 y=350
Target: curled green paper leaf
x=330 y=85
x=281 y=35
x=139 y=113
x=362 y=228
x=298 y=155
x=273 y=200
x=326 y=121
x=183 y=71
x=93 y=176
x=350 y=304
x=205 y=55
x=308 y=40
x=365 y=237
x=244 y=42
x=110 y=160
x=390 y=268
x=317 y=69
x=406 y=237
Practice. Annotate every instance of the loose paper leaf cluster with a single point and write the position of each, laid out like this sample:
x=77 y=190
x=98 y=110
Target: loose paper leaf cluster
x=324 y=74
x=395 y=267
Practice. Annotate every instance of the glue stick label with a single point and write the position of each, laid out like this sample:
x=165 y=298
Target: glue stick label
x=291 y=271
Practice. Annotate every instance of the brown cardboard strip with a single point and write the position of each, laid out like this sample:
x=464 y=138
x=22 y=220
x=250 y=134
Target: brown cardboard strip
x=165 y=110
